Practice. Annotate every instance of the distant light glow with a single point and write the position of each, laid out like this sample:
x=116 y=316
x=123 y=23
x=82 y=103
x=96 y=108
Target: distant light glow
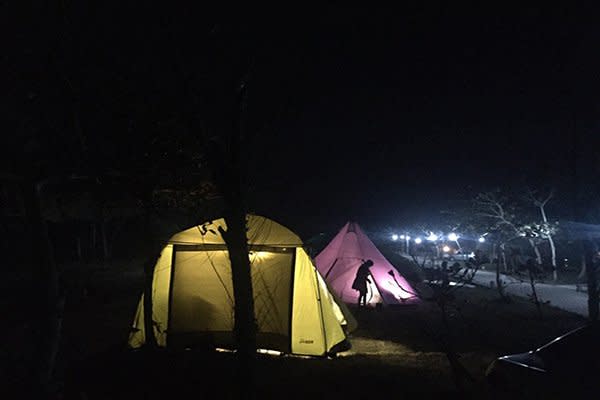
x=269 y=352
x=452 y=236
x=481 y=239
x=394 y=237
x=260 y=351
x=407 y=237
x=418 y=240
x=402 y=237
x=432 y=237
x=446 y=248
x=222 y=350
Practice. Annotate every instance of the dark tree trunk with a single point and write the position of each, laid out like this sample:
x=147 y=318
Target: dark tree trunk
x=148 y=280
x=50 y=299
x=592 y=279
x=93 y=239
x=229 y=172
x=105 y=252
x=503 y=257
x=148 y=322
x=245 y=325
x=499 y=284
x=237 y=245
x=445 y=278
x=582 y=268
x=78 y=248
x=534 y=296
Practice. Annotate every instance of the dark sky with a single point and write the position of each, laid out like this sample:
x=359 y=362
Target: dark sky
x=386 y=116
x=405 y=114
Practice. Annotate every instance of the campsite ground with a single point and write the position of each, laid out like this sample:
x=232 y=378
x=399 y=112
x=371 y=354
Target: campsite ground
x=395 y=351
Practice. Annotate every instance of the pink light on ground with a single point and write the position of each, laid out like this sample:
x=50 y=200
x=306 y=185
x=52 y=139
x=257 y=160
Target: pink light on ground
x=396 y=290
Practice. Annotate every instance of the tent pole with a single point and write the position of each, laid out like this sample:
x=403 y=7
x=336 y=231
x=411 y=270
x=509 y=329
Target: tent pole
x=292 y=283
x=320 y=310
x=170 y=304
x=331 y=268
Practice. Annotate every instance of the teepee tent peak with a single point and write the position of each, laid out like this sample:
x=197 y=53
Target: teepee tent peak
x=340 y=260
x=193 y=303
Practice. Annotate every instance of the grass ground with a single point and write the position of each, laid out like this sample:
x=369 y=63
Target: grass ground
x=396 y=351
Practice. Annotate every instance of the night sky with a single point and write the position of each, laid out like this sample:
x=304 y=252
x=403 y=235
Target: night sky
x=409 y=113
x=386 y=116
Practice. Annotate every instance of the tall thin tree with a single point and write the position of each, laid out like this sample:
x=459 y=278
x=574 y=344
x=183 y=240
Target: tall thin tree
x=547 y=230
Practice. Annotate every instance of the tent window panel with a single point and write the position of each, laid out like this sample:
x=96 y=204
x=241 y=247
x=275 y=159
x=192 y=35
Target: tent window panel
x=202 y=292
x=271 y=282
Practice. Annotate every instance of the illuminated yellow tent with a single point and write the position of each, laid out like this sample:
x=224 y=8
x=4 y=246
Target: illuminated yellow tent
x=193 y=300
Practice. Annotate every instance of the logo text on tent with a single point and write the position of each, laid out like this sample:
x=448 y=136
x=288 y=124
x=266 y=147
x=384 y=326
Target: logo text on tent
x=307 y=341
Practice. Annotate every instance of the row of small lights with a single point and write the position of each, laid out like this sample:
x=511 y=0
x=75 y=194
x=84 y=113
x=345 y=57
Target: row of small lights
x=432 y=238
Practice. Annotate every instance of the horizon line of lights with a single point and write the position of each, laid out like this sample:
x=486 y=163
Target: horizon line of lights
x=432 y=237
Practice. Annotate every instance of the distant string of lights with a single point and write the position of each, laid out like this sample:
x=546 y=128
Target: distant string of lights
x=432 y=237
x=446 y=244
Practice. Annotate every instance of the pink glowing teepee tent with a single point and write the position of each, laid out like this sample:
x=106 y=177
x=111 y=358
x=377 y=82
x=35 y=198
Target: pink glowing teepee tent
x=339 y=262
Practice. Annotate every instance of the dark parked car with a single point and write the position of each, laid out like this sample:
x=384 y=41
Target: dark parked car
x=567 y=365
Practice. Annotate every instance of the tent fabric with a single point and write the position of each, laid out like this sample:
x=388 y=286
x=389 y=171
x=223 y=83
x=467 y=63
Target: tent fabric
x=338 y=263
x=342 y=312
x=261 y=231
x=160 y=302
x=193 y=301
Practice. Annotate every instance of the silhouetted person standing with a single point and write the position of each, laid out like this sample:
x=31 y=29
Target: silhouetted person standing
x=361 y=280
